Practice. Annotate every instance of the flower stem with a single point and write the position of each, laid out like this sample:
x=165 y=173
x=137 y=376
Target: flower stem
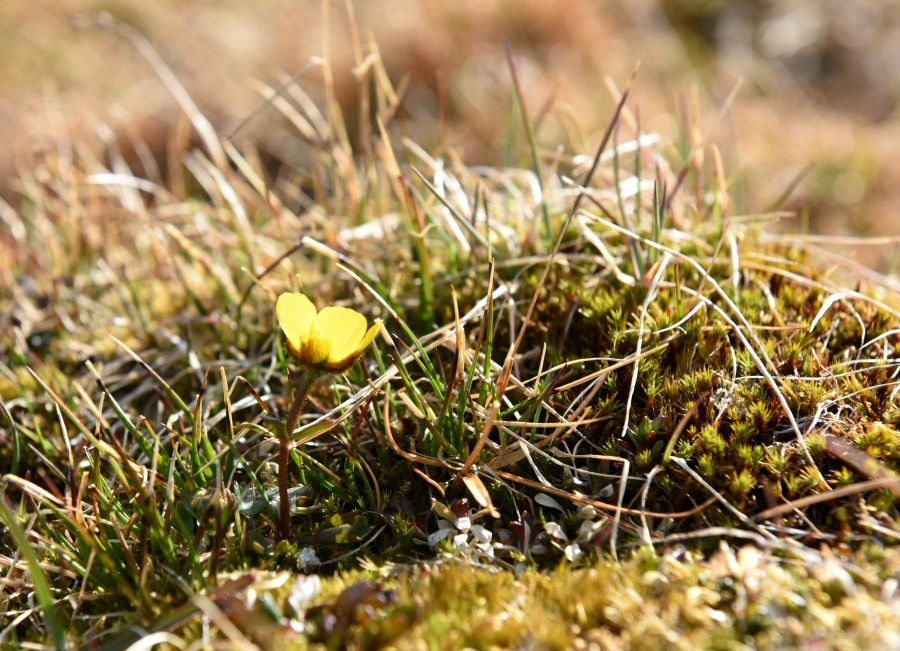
x=284 y=449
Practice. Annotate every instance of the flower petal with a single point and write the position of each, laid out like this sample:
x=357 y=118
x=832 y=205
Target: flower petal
x=342 y=329
x=342 y=363
x=368 y=338
x=296 y=314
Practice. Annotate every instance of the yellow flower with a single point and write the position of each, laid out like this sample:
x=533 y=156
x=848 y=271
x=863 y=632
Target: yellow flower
x=331 y=339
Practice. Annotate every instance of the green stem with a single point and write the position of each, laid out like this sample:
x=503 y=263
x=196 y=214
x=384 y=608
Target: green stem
x=284 y=449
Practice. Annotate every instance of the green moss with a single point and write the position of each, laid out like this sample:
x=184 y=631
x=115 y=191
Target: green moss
x=738 y=597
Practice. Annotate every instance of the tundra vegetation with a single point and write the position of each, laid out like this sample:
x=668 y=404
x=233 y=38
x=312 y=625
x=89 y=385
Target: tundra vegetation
x=604 y=405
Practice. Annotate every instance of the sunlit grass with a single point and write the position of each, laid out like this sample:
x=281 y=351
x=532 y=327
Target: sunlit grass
x=582 y=361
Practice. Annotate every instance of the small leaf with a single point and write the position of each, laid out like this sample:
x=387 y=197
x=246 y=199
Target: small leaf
x=573 y=552
x=545 y=500
x=480 y=493
x=250 y=505
x=438 y=536
x=555 y=531
x=443 y=511
x=344 y=534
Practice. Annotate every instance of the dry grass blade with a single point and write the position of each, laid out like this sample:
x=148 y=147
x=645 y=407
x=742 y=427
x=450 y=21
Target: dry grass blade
x=601 y=374
x=173 y=84
x=892 y=484
x=718 y=496
x=489 y=423
x=660 y=270
x=603 y=506
x=409 y=456
x=861 y=461
x=481 y=494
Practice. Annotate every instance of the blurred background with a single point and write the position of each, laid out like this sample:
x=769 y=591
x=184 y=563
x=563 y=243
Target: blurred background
x=818 y=82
